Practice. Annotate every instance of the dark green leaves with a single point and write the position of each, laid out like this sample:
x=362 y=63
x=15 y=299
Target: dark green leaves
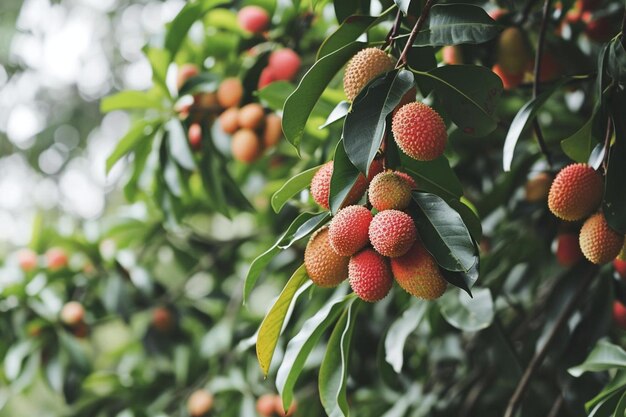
x=365 y=124
x=127 y=100
x=181 y=24
x=465 y=313
x=293 y=186
x=299 y=105
x=453 y=24
x=140 y=133
x=444 y=234
x=614 y=204
x=434 y=176
x=603 y=357
x=469 y=93
x=345 y=176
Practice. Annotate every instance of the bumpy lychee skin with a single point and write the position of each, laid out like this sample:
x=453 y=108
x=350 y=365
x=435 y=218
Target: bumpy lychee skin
x=392 y=233
x=419 y=131
x=200 y=402
x=389 y=191
x=409 y=179
x=320 y=187
x=363 y=68
x=370 y=275
x=619 y=314
x=253 y=19
x=348 y=231
x=599 y=243
x=229 y=92
x=418 y=274
x=575 y=192
x=323 y=265
x=568 y=251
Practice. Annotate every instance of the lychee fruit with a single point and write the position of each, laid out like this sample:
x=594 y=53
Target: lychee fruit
x=392 y=233
x=253 y=19
x=408 y=97
x=56 y=259
x=418 y=274
x=285 y=64
x=389 y=191
x=162 y=319
x=245 y=146
x=509 y=81
x=195 y=136
x=266 y=78
x=251 y=116
x=348 y=231
x=512 y=52
x=363 y=68
x=229 y=120
x=575 y=192
x=185 y=72
x=452 y=55
x=370 y=275
x=620 y=267
x=273 y=130
x=599 y=243
x=72 y=313
x=200 y=402
x=266 y=405
x=538 y=187
x=419 y=131
x=320 y=187
x=619 y=314
x=323 y=265
x=280 y=409
x=409 y=179
x=376 y=167
x=230 y=92
x=568 y=251
x=27 y=259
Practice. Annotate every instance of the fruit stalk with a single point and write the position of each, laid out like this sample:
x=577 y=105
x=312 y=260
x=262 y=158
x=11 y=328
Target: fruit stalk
x=541 y=354
x=537 y=72
x=418 y=26
x=391 y=37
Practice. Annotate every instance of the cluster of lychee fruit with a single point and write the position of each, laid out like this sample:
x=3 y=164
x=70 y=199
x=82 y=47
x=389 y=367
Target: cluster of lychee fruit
x=372 y=250
x=575 y=196
x=252 y=130
x=55 y=259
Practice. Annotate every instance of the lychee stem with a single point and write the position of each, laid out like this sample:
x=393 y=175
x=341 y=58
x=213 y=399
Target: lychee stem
x=391 y=36
x=418 y=26
x=537 y=71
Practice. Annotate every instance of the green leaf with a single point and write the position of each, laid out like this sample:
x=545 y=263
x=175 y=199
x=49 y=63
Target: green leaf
x=178 y=29
x=258 y=265
x=465 y=313
x=159 y=61
x=617 y=59
x=400 y=331
x=178 y=145
x=345 y=8
x=579 y=146
x=344 y=177
x=605 y=356
x=334 y=368
x=127 y=100
x=275 y=94
x=522 y=119
x=365 y=125
x=339 y=112
x=306 y=229
x=617 y=384
x=299 y=348
x=293 y=186
x=468 y=93
x=620 y=409
x=443 y=233
x=349 y=31
x=142 y=131
x=14 y=358
x=201 y=83
x=463 y=280
x=403 y=5
x=434 y=176
x=299 y=105
x=454 y=24
x=614 y=203
x=272 y=324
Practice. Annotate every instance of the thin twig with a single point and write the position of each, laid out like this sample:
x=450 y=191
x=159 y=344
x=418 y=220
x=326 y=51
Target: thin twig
x=418 y=26
x=538 y=55
x=540 y=355
x=391 y=36
x=556 y=407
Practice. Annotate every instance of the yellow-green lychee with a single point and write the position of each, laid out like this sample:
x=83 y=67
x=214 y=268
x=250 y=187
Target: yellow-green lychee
x=363 y=68
x=323 y=265
x=599 y=243
x=418 y=274
x=389 y=190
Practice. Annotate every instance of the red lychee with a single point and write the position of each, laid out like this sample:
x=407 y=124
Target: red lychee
x=370 y=275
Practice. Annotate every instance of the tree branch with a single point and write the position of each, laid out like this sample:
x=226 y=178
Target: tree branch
x=556 y=407
x=537 y=71
x=540 y=355
x=391 y=36
x=418 y=26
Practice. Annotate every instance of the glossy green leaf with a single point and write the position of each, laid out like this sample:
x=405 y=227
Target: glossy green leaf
x=578 y=146
x=615 y=386
x=127 y=100
x=275 y=94
x=178 y=145
x=306 y=229
x=14 y=358
x=272 y=324
x=292 y=187
x=443 y=232
x=140 y=133
x=614 y=203
x=334 y=369
x=400 y=330
x=299 y=105
x=258 y=265
x=365 y=124
x=345 y=8
x=202 y=83
x=159 y=61
x=468 y=93
x=454 y=24
x=434 y=176
x=179 y=27
x=339 y=112
x=465 y=313
x=344 y=177
x=461 y=279
x=603 y=357
x=299 y=348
